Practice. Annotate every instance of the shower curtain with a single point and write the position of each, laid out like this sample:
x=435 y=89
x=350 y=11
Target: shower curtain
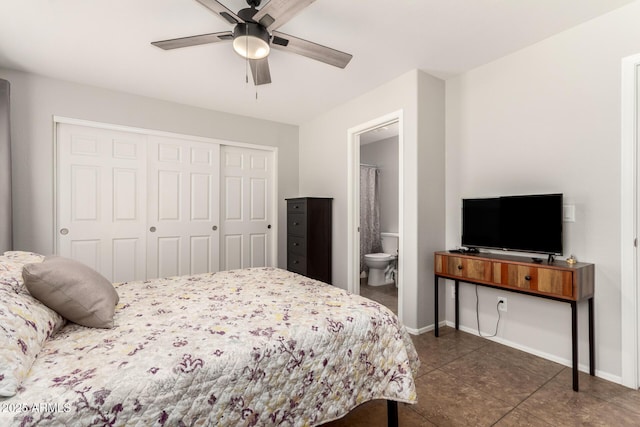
x=369 y=212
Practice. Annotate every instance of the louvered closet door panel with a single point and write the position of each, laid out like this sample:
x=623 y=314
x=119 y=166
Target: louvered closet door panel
x=101 y=200
x=183 y=206
x=246 y=194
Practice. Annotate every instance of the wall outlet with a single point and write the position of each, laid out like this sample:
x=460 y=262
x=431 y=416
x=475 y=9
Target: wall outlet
x=502 y=304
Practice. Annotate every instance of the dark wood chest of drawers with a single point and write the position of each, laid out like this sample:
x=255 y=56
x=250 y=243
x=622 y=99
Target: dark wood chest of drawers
x=309 y=237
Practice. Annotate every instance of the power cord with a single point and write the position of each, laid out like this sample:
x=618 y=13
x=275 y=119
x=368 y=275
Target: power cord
x=478 y=317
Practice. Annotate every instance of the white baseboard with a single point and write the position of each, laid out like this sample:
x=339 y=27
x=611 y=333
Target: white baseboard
x=424 y=329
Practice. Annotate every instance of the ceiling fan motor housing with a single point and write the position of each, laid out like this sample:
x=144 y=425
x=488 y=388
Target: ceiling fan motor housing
x=251 y=40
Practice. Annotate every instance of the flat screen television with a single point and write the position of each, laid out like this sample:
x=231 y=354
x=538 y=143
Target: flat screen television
x=528 y=223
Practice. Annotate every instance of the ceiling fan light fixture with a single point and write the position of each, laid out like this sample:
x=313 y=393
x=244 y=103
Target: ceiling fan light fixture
x=251 y=41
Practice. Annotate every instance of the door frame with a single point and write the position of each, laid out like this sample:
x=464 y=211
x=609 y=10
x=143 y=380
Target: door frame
x=58 y=120
x=630 y=197
x=353 y=202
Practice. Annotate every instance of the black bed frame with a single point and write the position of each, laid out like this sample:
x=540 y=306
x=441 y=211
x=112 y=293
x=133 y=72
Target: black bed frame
x=392 y=413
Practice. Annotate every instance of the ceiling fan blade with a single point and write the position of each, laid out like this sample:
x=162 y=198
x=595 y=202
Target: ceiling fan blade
x=260 y=71
x=276 y=13
x=221 y=10
x=309 y=49
x=194 y=40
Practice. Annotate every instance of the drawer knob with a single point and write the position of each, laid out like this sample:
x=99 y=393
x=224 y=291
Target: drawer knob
x=295 y=223
x=296 y=207
x=295 y=244
x=459 y=267
x=527 y=277
x=295 y=262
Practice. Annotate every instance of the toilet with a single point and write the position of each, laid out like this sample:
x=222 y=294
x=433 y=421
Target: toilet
x=380 y=264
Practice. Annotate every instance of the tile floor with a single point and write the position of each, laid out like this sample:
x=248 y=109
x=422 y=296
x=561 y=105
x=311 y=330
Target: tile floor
x=465 y=380
x=386 y=295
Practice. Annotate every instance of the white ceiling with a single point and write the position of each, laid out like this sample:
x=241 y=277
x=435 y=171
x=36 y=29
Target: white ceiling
x=380 y=133
x=105 y=43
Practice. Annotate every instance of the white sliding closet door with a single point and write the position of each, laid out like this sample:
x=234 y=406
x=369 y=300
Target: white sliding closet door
x=246 y=232
x=136 y=205
x=101 y=200
x=183 y=208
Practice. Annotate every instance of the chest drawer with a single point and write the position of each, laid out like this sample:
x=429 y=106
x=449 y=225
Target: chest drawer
x=296 y=206
x=309 y=237
x=297 y=244
x=296 y=263
x=297 y=224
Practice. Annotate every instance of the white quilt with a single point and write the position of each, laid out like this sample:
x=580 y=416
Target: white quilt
x=246 y=347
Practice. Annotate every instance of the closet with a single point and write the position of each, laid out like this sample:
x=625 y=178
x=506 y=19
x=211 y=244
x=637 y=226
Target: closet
x=138 y=205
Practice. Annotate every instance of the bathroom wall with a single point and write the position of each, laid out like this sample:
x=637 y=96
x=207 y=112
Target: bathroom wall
x=384 y=154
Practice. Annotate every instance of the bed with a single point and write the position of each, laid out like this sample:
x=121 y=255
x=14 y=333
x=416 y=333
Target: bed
x=259 y=346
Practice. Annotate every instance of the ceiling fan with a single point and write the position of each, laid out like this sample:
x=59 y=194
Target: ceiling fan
x=255 y=34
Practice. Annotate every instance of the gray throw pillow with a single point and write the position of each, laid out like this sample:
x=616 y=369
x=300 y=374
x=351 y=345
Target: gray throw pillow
x=74 y=290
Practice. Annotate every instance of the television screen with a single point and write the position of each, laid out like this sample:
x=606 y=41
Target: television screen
x=481 y=222
x=519 y=223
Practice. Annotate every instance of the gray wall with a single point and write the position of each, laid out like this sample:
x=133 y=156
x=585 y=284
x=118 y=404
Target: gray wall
x=547 y=119
x=5 y=169
x=324 y=171
x=36 y=99
x=384 y=154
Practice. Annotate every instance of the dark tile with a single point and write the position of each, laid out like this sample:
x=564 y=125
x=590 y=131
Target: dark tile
x=465 y=380
x=496 y=377
x=446 y=401
x=520 y=418
x=451 y=345
x=557 y=404
x=597 y=387
x=386 y=295
x=374 y=413
x=521 y=359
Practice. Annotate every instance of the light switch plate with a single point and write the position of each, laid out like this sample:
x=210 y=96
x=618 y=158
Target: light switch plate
x=569 y=213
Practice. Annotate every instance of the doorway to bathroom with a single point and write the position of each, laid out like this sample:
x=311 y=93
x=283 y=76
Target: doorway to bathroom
x=353 y=205
x=379 y=209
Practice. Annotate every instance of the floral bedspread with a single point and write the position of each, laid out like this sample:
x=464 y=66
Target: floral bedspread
x=246 y=347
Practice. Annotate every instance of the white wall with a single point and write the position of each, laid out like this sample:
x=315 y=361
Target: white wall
x=547 y=119
x=324 y=166
x=34 y=102
x=384 y=154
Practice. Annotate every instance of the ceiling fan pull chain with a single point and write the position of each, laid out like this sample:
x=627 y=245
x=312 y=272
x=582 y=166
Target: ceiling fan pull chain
x=246 y=62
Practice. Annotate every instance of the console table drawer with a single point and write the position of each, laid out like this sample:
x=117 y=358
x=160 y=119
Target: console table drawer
x=556 y=282
x=463 y=268
x=535 y=279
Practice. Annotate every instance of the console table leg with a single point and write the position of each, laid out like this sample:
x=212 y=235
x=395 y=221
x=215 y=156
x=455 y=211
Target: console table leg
x=592 y=354
x=435 y=307
x=457 y=305
x=574 y=343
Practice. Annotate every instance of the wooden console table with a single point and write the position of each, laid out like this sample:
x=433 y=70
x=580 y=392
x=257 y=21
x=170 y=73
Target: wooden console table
x=559 y=281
